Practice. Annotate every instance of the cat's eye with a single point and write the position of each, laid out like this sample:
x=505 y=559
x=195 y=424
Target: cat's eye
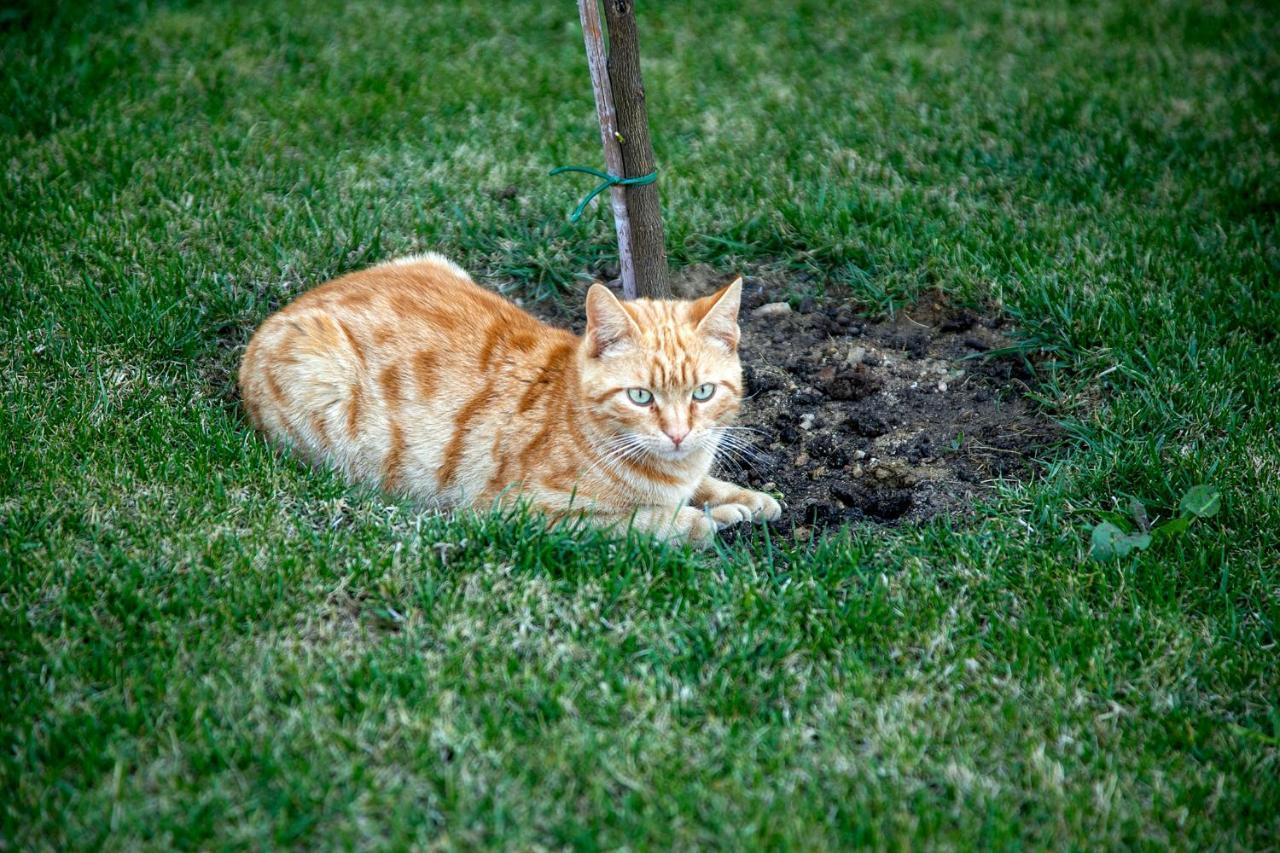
x=640 y=396
x=704 y=391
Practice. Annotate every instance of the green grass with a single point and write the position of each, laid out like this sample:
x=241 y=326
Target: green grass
x=205 y=644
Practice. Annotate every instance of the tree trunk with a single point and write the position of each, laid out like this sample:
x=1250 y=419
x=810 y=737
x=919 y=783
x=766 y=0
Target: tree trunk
x=597 y=62
x=649 y=254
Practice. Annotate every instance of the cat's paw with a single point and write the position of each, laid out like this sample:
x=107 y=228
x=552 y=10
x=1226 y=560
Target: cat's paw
x=727 y=515
x=699 y=529
x=760 y=506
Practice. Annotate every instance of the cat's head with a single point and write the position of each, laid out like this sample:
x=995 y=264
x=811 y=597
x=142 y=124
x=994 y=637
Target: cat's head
x=662 y=377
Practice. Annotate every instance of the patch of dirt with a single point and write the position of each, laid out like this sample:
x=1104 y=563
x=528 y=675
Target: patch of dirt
x=888 y=421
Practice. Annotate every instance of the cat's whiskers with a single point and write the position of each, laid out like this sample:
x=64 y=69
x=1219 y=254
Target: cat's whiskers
x=612 y=455
x=736 y=459
x=736 y=447
x=732 y=443
x=738 y=428
x=730 y=434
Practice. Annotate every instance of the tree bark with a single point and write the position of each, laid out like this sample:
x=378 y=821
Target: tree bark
x=648 y=250
x=597 y=62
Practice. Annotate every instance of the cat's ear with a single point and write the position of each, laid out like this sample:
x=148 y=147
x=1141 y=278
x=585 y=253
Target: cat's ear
x=717 y=315
x=610 y=328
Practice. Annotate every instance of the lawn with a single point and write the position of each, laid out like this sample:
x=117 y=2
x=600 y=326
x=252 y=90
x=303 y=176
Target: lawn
x=204 y=643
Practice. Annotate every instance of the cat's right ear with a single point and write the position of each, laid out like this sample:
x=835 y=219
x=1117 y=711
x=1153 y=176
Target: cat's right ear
x=609 y=327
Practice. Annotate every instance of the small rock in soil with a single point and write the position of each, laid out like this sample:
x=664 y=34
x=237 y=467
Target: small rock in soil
x=771 y=309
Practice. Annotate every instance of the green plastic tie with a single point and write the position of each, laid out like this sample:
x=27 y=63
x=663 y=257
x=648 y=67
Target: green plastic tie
x=607 y=181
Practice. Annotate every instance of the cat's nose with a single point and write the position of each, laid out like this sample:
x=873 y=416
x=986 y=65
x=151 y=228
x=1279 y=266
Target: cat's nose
x=677 y=437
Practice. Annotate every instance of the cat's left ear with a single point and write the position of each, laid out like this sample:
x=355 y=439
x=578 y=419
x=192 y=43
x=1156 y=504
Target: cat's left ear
x=717 y=315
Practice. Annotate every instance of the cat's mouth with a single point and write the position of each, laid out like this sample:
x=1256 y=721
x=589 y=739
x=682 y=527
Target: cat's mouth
x=659 y=449
x=676 y=454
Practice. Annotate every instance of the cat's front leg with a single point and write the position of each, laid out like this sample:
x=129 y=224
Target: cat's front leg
x=730 y=504
x=674 y=524
x=668 y=523
x=693 y=523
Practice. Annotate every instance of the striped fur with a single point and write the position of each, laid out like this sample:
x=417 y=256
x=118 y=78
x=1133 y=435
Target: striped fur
x=412 y=377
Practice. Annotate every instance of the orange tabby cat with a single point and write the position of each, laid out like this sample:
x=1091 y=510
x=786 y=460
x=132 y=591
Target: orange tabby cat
x=411 y=376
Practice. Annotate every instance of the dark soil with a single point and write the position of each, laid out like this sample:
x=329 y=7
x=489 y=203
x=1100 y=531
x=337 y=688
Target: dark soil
x=885 y=421
x=888 y=421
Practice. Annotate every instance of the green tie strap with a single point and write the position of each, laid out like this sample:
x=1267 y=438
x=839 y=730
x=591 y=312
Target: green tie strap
x=607 y=181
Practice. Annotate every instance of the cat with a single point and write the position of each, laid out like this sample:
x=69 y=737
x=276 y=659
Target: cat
x=412 y=377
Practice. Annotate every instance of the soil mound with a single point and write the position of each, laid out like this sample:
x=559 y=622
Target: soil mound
x=887 y=421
